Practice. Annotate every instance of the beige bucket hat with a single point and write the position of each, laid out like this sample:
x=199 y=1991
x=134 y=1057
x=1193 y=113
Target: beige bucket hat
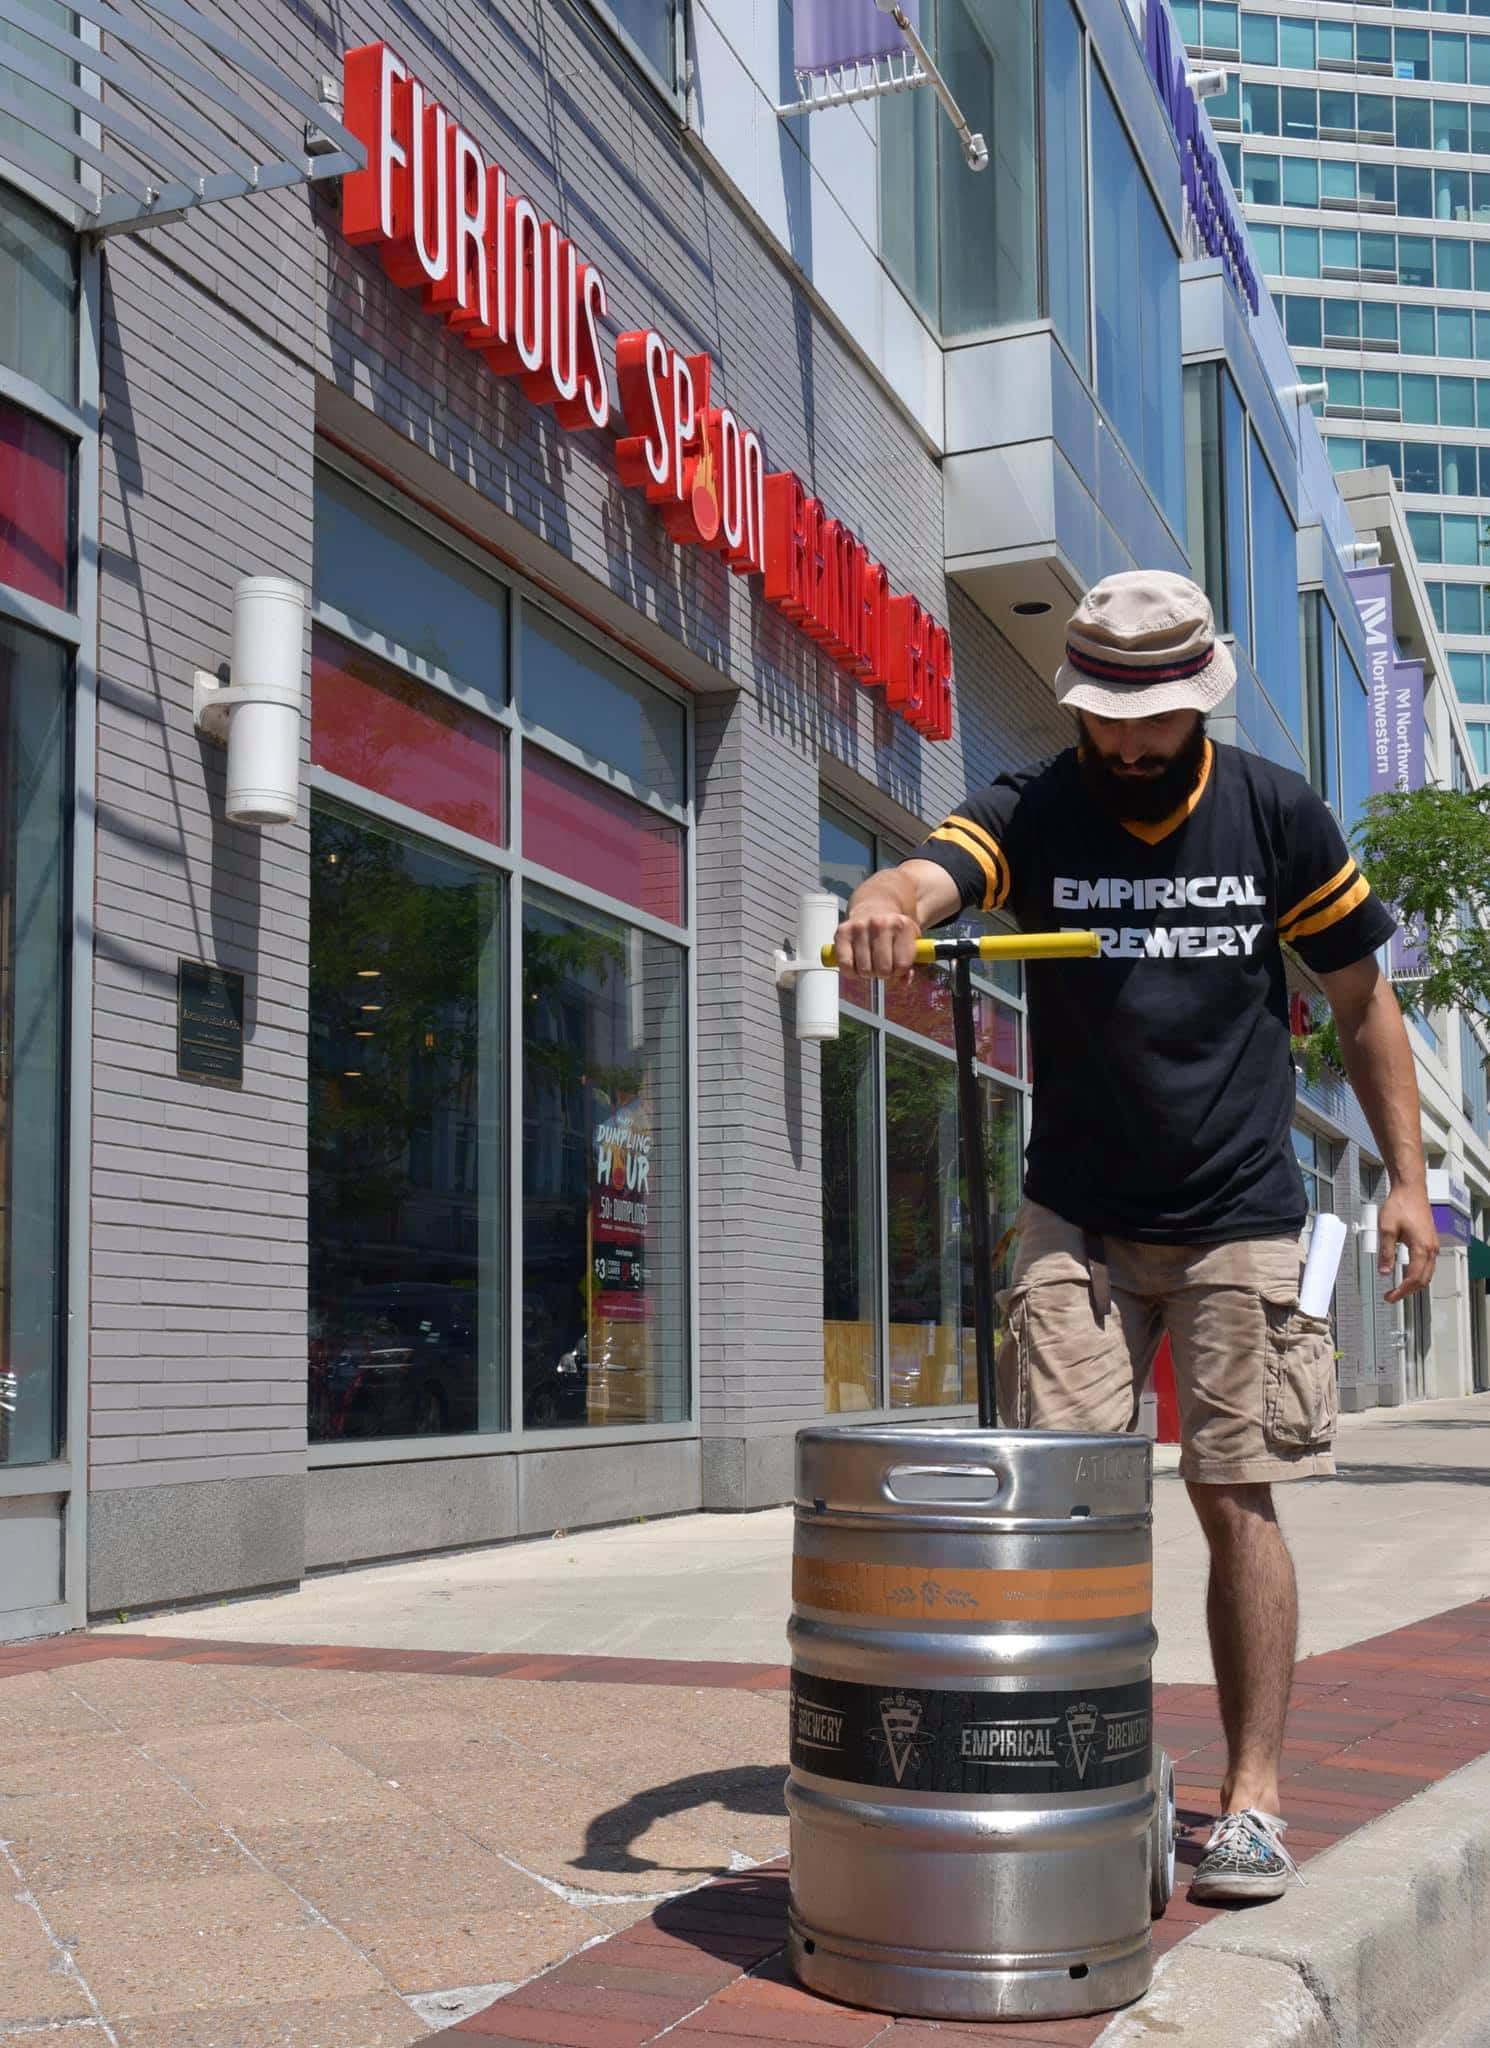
x=1141 y=643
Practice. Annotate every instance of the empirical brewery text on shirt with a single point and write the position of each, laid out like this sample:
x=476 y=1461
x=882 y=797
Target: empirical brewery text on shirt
x=1157 y=892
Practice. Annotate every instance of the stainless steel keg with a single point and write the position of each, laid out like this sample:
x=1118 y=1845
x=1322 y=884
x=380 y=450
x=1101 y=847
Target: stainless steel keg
x=974 y=1826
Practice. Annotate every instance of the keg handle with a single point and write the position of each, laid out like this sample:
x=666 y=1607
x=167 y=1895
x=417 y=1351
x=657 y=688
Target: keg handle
x=942 y=1485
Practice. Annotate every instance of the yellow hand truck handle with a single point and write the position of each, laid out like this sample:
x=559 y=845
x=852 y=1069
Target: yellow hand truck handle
x=1010 y=946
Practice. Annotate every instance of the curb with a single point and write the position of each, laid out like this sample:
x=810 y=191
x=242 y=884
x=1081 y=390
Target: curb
x=1382 y=1941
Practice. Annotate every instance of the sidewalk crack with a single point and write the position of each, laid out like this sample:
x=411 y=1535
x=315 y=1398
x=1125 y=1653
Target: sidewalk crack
x=26 y=1897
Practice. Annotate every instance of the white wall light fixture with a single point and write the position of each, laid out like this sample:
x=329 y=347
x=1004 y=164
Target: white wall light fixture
x=817 y=986
x=257 y=712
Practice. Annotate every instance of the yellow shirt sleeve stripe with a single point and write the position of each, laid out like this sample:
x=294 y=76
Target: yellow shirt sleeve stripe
x=1332 y=913
x=985 y=838
x=975 y=852
x=1318 y=896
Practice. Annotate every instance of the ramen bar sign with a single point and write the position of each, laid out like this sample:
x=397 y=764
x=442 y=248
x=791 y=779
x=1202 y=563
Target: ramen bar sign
x=447 y=222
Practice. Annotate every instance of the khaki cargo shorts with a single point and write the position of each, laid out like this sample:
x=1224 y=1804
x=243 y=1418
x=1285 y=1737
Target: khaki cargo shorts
x=1254 y=1375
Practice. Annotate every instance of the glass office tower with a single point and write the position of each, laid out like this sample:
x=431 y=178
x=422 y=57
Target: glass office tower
x=1359 y=139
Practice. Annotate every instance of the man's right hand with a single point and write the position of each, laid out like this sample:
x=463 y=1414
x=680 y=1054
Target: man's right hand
x=888 y=913
x=880 y=941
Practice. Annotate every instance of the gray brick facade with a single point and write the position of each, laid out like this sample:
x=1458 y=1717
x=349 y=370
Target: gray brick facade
x=228 y=339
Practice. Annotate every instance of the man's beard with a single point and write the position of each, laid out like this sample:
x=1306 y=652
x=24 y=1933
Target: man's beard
x=1143 y=799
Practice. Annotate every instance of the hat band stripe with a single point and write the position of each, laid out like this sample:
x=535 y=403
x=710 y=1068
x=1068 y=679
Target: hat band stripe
x=1133 y=672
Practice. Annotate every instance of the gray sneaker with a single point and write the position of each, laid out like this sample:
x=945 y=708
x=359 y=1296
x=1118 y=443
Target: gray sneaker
x=1244 y=1859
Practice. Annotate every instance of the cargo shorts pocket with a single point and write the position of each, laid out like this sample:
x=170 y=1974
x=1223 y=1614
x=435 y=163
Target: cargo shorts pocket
x=1300 y=1401
x=1012 y=1358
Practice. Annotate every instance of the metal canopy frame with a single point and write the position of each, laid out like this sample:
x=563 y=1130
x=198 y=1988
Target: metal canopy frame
x=871 y=78
x=160 y=131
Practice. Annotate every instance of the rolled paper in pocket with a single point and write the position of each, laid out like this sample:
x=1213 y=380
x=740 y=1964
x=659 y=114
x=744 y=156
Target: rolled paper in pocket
x=1323 y=1263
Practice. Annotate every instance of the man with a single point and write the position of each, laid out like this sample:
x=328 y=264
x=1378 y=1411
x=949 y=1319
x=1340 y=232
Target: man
x=1161 y=1190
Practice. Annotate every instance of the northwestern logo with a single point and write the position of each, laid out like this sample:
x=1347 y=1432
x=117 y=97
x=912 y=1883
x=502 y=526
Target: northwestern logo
x=1207 y=190
x=1373 y=611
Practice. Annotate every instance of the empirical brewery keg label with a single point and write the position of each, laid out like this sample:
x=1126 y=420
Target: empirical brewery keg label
x=930 y=1740
x=911 y=1592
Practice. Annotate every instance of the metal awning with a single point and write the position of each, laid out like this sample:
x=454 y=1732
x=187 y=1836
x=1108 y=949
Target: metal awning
x=152 y=108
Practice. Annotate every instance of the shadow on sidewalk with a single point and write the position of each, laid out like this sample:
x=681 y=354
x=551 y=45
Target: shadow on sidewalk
x=754 y=1789
x=1352 y=1474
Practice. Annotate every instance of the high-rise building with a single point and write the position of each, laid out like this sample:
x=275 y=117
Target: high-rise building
x=1359 y=139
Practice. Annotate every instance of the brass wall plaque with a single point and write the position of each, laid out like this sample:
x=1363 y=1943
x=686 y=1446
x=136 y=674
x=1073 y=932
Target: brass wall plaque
x=209 y=1024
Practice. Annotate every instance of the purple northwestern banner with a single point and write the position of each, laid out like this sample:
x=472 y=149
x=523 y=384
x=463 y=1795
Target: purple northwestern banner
x=1452 y=1224
x=1372 y=590
x=1409 y=766
x=829 y=33
x=1208 y=194
x=1409 y=771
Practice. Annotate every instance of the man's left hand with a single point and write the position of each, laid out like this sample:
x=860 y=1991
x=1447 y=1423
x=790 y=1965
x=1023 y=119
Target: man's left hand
x=1407 y=1220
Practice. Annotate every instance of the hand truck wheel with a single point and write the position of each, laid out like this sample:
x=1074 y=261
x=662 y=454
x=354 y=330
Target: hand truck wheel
x=1161 y=1836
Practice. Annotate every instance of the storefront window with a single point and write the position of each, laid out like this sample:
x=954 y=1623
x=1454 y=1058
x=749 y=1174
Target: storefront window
x=35 y=507
x=415 y=1329
x=890 y=1136
x=407 y=1160
x=604 y=1170
x=600 y=837
x=1138 y=329
x=851 y=1224
x=33 y=895
x=963 y=244
x=572 y=690
x=405 y=594
x=405 y=740
x=38 y=297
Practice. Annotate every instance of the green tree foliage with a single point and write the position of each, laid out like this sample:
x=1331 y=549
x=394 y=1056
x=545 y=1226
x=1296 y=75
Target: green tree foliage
x=1426 y=852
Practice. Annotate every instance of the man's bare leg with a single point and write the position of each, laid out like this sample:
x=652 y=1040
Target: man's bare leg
x=1252 y=1613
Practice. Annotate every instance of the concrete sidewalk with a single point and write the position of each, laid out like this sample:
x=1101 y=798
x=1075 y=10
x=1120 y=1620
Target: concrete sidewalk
x=280 y=1847
x=404 y=1807
x=1380 y=1546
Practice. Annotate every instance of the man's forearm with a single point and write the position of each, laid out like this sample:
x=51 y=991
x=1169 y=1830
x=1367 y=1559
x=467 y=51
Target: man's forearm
x=1379 y=1064
x=890 y=889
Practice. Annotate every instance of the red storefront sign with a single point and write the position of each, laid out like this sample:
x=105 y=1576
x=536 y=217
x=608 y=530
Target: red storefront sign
x=447 y=222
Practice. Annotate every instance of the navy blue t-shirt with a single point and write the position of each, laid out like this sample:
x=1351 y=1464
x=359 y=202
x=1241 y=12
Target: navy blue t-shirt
x=1163 y=1079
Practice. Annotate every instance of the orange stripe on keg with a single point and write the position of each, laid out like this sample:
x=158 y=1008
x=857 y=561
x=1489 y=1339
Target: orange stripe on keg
x=901 y=1592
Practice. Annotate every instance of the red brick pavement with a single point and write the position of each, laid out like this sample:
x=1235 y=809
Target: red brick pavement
x=1368 y=1727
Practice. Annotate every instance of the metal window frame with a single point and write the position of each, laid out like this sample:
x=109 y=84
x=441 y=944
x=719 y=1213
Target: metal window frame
x=515 y=1437
x=675 y=93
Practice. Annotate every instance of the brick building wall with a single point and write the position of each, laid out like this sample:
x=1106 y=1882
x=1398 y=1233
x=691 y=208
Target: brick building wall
x=227 y=339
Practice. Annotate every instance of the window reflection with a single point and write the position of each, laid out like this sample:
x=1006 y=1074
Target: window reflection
x=604 y=1171
x=851 y=1224
x=33 y=763
x=406 y=1122
x=931 y=1345
x=961 y=243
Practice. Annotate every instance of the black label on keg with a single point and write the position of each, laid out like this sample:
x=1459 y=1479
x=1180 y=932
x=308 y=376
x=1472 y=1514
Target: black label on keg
x=932 y=1740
